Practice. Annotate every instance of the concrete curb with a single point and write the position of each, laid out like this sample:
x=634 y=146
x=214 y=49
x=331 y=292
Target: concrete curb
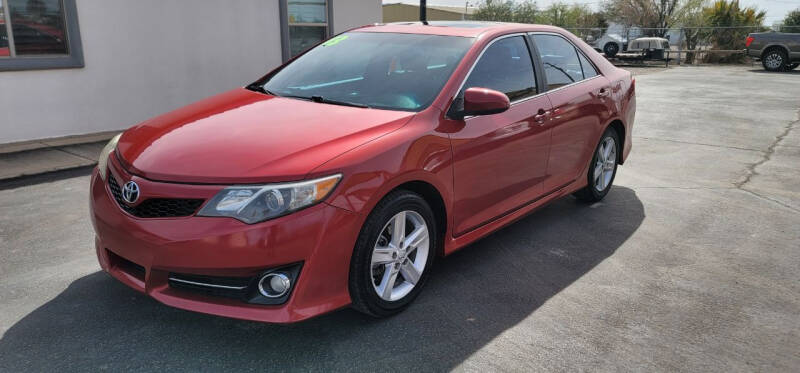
x=47 y=159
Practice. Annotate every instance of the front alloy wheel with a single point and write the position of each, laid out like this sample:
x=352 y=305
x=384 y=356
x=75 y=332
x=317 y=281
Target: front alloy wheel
x=400 y=255
x=393 y=254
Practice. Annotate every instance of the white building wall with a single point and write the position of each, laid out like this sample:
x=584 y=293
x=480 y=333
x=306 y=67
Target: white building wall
x=147 y=57
x=353 y=13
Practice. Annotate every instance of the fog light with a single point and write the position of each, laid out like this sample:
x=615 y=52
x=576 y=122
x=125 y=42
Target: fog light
x=274 y=285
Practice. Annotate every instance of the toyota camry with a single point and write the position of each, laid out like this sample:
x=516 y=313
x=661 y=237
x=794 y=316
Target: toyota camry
x=341 y=176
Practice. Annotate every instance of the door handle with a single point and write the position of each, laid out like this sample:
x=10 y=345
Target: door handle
x=541 y=116
x=604 y=92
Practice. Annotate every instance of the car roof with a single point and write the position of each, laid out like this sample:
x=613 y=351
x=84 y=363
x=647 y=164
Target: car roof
x=469 y=29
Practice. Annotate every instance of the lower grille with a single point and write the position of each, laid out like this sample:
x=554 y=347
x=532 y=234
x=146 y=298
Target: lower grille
x=155 y=207
x=229 y=287
x=127 y=266
x=246 y=289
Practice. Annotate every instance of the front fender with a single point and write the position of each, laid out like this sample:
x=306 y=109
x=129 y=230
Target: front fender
x=414 y=152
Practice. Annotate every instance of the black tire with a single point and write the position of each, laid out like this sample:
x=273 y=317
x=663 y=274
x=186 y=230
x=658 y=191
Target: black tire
x=364 y=296
x=792 y=66
x=774 y=59
x=590 y=193
x=611 y=49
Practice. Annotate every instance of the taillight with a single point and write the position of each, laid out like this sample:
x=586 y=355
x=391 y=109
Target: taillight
x=749 y=41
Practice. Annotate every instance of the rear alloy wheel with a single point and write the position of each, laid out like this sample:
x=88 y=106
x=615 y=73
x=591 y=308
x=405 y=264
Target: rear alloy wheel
x=774 y=60
x=603 y=168
x=393 y=254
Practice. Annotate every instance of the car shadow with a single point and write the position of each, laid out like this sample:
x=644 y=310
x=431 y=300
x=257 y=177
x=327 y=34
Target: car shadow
x=472 y=297
x=790 y=72
x=46 y=177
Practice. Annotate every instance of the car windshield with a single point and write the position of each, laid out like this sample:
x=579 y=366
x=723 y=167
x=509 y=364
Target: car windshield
x=377 y=70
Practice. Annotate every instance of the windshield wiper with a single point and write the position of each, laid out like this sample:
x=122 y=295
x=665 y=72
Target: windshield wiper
x=562 y=70
x=260 y=88
x=315 y=98
x=324 y=100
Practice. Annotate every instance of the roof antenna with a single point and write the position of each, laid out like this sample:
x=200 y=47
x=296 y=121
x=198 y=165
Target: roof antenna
x=423 y=10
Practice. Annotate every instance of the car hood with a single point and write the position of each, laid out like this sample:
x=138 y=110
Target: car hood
x=248 y=137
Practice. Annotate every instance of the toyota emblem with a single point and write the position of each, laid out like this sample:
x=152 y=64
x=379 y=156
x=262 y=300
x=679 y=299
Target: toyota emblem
x=130 y=192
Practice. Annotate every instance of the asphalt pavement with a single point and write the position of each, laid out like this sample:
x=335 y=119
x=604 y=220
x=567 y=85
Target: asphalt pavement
x=690 y=264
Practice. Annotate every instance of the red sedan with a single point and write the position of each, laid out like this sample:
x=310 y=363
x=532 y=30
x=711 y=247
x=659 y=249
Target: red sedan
x=338 y=178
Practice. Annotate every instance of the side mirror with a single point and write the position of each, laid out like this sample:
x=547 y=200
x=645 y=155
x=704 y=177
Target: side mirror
x=484 y=101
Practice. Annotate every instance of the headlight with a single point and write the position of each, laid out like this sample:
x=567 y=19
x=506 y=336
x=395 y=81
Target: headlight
x=253 y=204
x=102 y=163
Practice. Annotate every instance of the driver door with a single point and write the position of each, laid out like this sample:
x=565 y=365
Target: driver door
x=500 y=160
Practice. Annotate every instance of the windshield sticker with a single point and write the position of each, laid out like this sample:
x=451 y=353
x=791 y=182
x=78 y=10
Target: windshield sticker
x=334 y=41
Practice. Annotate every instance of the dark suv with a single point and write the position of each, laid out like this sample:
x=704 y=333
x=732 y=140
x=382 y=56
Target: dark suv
x=777 y=51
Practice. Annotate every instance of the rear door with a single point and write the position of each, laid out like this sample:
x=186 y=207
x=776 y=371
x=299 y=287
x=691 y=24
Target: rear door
x=580 y=96
x=500 y=160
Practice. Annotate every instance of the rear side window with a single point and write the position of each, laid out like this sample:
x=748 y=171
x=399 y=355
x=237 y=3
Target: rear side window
x=587 y=67
x=505 y=66
x=560 y=60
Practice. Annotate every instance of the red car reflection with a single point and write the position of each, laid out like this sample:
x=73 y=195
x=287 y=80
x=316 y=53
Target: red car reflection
x=4 y=50
x=33 y=39
x=338 y=178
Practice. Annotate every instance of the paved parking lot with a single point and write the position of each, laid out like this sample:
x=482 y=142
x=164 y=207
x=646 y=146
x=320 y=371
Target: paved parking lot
x=691 y=263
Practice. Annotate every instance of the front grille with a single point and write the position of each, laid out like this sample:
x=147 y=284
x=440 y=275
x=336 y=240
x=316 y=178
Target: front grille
x=229 y=287
x=155 y=207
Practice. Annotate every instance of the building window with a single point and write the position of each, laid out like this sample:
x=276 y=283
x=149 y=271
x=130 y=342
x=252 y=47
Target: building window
x=39 y=34
x=304 y=24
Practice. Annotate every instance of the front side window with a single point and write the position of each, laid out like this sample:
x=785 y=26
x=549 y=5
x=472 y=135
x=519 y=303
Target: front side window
x=505 y=66
x=38 y=34
x=378 y=70
x=560 y=60
x=308 y=24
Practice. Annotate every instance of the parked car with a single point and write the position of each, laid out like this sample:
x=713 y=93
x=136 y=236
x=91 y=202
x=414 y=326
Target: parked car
x=611 y=44
x=777 y=51
x=340 y=177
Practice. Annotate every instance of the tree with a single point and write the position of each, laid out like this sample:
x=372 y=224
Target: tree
x=655 y=16
x=572 y=16
x=738 y=22
x=579 y=19
x=792 y=21
x=692 y=21
x=495 y=10
x=508 y=11
x=559 y=14
x=526 y=12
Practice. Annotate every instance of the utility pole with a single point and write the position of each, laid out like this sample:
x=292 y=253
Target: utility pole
x=423 y=10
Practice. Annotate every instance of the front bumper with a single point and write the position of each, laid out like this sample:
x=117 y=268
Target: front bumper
x=143 y=252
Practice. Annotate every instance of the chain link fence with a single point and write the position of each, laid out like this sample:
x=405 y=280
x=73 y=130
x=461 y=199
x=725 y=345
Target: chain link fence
x=687 y=45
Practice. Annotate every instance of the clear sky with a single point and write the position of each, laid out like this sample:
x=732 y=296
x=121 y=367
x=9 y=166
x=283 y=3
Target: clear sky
x=776 y=9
